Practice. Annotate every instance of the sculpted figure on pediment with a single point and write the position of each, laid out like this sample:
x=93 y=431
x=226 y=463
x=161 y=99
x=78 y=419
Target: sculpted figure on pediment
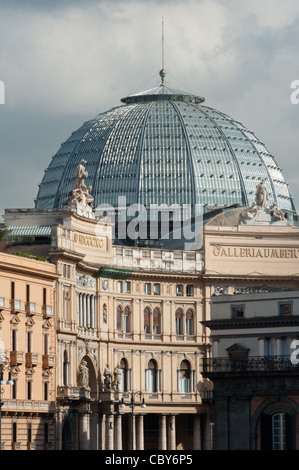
x=249 y=213
x=262 y=195
x=81 y=193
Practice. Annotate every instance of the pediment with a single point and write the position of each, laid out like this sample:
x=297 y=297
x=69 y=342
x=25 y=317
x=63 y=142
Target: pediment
x=237 y=350
x=15 y=319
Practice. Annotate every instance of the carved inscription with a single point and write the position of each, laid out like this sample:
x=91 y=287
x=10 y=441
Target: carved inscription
x=243 y=252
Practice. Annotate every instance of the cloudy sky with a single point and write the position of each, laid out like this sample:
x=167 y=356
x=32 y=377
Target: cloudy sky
x=64 y=61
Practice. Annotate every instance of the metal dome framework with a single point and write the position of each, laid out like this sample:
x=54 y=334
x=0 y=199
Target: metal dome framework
x=164 y=146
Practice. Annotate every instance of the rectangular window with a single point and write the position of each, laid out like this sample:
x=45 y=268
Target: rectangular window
x=44 y=296
x=147 y=288
x=29 y=432
x=27 y=293
x=46 y=343
x=14 y=432
x=29 y=338
x=29 y=390
x=156 y=289
x=127 y=287
x=190 y=291
x=119 y=287
x=14 y=390
x=237 y=311
x=12 y=296
x=285 y=308
x=14 y=340
x=46 y=389
x=179 y=290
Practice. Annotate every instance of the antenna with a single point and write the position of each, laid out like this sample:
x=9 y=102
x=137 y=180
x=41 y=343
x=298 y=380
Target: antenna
x=162 y=72
x=162 y=42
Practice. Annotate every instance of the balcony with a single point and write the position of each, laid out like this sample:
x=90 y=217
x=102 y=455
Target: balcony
x=48 y=361
x=30 y=308
x=249 y=365
x=47 y=311
x=15 y=306
x=16 y=358
x=30 y=359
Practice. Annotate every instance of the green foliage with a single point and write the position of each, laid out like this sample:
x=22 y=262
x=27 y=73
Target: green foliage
x=29 y=255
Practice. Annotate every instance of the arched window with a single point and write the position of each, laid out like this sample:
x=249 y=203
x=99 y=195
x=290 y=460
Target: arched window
x=156 y=321
x=189 y=322
x=118 y=318
x=126 y=319
x=152 y=321
x=123 y=319
x=147 y=320
x=277 y=431
x=185 y=377
x=179 y=322
x=124 y=371
x=151 y=376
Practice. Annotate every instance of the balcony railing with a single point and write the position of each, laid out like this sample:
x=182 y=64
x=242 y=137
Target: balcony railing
x=248 y=364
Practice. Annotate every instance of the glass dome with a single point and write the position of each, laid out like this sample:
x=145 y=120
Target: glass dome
x=163 y=146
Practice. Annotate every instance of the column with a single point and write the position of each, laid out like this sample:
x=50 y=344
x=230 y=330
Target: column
x=103 y=431
x=84 y=309
x=118 y=431
x=140 y=433
x=84 y=431
x=261 y=344
x=162 y=433
x=171 y=433
x=109 y=432
x=132 y=430
x=87 y=311
x=81 y=310
x=197 y=433
x=94 y=308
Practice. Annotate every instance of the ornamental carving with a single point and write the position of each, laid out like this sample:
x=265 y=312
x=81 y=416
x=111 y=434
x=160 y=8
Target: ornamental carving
x=85 y=281
x=80 y=195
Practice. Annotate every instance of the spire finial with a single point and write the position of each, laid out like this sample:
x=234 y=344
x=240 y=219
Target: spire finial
x=162 y=72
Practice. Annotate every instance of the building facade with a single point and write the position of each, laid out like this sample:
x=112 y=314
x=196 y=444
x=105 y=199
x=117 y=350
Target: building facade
x=28 y=335
x=144 y=327
x=254 y=332
x=137 y=313
x=136 y=329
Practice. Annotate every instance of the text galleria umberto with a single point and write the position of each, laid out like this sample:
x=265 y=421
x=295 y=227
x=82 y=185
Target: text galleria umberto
x=110 y=345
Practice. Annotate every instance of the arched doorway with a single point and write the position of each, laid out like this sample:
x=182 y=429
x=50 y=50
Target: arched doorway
x=67 y=436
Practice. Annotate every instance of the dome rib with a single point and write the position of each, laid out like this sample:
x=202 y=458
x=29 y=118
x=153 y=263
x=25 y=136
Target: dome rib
x=140 y=148
x=243 y=191
x=189 y=153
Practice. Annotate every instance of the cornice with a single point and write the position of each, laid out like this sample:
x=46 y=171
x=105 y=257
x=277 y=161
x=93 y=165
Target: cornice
x=256 y=322
x=66 y=255
x=37 y=273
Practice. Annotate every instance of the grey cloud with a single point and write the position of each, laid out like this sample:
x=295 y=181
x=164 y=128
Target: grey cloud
x=64 y=61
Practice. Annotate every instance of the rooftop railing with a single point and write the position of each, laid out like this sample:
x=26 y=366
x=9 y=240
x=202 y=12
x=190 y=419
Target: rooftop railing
x=248 y=364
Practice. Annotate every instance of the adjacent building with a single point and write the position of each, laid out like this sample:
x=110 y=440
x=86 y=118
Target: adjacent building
x=28 y=335
x=254 y=332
